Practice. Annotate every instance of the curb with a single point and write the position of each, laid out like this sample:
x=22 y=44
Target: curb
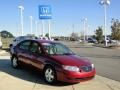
x=112 y=84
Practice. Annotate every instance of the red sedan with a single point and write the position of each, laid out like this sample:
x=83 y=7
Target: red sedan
x=55 y=60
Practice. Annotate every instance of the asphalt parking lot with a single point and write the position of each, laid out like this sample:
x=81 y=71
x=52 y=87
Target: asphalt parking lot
x=106 y=62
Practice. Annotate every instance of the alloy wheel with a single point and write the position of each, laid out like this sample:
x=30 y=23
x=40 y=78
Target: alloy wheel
x=15 y=62
x=49 y=75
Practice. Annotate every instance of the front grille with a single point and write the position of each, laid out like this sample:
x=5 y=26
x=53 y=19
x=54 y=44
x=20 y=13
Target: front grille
x=86 y=68
x=83 y=78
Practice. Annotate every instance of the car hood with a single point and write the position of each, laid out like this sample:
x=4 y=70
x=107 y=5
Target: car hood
x=72 y=60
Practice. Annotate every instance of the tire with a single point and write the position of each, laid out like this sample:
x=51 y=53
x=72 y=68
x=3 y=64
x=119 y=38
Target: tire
x=50 y=75
x=14 y=62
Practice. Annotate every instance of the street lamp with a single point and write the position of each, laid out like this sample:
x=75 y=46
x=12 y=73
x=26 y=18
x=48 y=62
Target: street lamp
x=49 y=30
x=21 y=11
x=105 y=3
x=87 y=31
x=31 y=19
x=84 y=22
x=36 y=24
x=43 y=35
x=73 y=26
x=0 y=36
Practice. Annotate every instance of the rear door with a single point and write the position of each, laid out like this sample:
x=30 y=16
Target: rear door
x=23 y=51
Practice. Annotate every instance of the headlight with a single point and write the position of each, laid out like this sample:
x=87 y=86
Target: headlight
x=92 y=65
x=71 y=68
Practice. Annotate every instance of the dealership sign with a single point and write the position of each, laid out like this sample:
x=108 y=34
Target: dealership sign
x=45 y=12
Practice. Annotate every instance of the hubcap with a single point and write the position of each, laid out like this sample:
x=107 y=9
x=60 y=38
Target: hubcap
x=49 y=75
x=14 y=62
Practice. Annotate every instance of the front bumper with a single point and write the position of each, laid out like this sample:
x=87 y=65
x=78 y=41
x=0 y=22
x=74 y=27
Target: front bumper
x=75 y=77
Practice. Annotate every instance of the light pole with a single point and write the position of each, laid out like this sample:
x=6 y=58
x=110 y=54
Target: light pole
x=21 y=11
x=43 y=35
x=31 y=19
x=84 y=22
x=73 y=26
x=0 y=36
x=87 y=31
x=36 y=24
x=39 y=29
x=49 y=30
x=105 y=3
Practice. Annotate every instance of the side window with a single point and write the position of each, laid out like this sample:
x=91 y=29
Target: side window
x=35 y=48
x=25 y=45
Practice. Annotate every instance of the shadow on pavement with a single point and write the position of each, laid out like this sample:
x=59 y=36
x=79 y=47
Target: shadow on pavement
x=25 y=74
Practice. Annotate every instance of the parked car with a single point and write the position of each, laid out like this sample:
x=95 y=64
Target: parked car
x=53 y=59
x=0 y=45
x=80 y=40
x=46 y=38
x=56 y=39
x=91 y=40
x=18 y=40
x=21 y=38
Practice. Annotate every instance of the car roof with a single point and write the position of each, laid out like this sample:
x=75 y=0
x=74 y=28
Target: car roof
x=44 y=41
x=24 y=37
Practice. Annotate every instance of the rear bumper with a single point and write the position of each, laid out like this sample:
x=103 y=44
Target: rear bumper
x=75 y=77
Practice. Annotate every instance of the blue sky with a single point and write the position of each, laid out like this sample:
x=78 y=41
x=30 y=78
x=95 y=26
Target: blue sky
x=65 y=13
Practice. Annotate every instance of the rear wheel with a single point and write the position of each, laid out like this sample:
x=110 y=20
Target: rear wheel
x=14 y=62
x=50 y=75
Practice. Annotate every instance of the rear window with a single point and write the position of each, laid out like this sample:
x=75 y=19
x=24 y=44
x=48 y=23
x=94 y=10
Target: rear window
x=25 y=45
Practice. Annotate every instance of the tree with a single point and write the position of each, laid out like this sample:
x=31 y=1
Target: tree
x=115 y=29
x=47 y=35
x=99 y=34
x=6 y=34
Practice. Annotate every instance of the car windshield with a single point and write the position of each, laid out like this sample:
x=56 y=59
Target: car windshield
x=56 y=49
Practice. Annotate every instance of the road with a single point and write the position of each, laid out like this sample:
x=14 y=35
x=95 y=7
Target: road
x=107 y=61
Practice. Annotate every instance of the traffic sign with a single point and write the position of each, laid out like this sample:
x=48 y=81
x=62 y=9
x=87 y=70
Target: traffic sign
x=45 y=12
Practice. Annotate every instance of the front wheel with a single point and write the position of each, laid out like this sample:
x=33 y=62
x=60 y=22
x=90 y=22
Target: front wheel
x=14 y=62
x=50 y=75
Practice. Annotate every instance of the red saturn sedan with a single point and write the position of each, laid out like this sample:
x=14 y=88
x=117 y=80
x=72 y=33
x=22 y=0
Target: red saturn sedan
x=53 y=59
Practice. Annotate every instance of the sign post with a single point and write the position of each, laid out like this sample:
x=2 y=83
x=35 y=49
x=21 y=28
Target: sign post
x=45 y=14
